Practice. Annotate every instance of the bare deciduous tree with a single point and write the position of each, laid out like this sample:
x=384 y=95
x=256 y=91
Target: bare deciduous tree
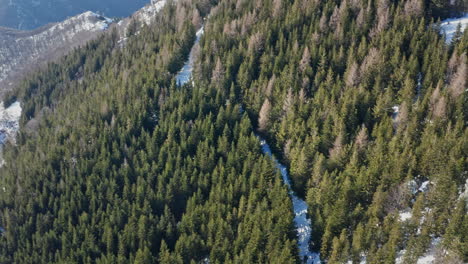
x=335 y=18
x=305 y=61
x=323 y=25
x=372 y=58
x=256 y=43
x=218 y=72
x=362 y=139
x=277 y=7
x=382 y=23
x=264 y=116
x=452 y=65
x=414 y=8
x=270 y=85
x=352 y=75
x=360 y=20
x=458 y=81
x=196 y=18
x=440 y=107
x=288 y=102
x=337 y=148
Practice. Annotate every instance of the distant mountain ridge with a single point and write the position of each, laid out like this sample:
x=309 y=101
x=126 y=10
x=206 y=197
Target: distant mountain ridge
x=31 y=14
x=22 y=51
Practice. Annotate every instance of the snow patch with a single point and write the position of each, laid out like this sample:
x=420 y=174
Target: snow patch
x=424 y=186
x=363 y=260
x=405 y=215
x=87 y=21
x=413 y=186
x=9 y=124
x=9 y=121
x=147 y=13
x=399 y=257
x=449 y=26
x=464 y=194
x=396 y=110
x=429 y=256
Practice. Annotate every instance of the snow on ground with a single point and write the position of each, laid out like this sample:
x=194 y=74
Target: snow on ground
x=303 y=224
x=396 y=110
x=405 y=215
x=464 y=194
x=449 y=26
x=418 y=86
x=148 y=12
x=362 y=261
x=429 y=256
x=145 y=15
x=9 y=121
x=9 y=124
x=424 y=186
x=20 y=50
x=184 y=75
x=87 y=21
x=399 y=257
x=413 y=186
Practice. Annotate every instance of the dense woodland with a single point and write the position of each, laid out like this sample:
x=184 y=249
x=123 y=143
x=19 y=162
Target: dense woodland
x=115 y=163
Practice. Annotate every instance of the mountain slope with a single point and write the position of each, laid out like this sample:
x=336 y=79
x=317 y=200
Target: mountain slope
x=137 y=169
x=364 y=101
x=32 y=14
x=24 y=51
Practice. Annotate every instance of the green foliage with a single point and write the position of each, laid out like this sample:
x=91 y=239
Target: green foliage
x=329 y=73
x=117 y=164
x=126 y=167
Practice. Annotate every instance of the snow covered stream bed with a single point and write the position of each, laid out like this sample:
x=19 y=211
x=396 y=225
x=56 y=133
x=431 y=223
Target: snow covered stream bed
x=302 y=222
x=184 y=75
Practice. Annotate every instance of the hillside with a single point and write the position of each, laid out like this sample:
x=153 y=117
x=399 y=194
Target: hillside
x=22 y=52
x=33 y=14
x=235 y=131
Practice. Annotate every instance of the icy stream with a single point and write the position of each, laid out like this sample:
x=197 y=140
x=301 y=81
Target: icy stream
x=303 y=224
x=184 y=75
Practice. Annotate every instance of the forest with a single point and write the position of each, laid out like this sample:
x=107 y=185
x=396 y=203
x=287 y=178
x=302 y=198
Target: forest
x=363 y=100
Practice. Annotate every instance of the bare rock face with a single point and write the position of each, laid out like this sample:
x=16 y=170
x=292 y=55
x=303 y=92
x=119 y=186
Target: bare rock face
x=23 y=51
